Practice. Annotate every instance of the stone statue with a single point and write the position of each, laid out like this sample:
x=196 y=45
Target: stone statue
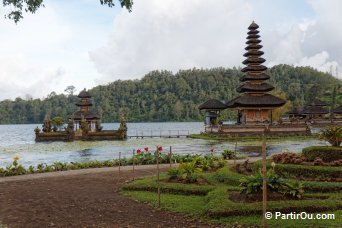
x=47 y=124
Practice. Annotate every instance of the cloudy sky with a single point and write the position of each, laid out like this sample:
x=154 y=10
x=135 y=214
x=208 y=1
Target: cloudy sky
x=84 y=44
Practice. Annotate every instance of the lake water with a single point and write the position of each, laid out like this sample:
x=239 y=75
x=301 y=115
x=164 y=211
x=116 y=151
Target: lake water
x=19 y=140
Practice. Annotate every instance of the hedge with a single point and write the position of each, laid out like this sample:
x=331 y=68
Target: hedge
x=326 y=153
x=291 y=170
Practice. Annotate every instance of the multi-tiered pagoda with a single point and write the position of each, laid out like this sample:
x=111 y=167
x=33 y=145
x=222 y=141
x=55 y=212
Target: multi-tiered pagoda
x=84 y=124
x=90 y=118
x=255 y=104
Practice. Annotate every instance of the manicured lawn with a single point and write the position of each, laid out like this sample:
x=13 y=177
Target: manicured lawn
x=210 y=203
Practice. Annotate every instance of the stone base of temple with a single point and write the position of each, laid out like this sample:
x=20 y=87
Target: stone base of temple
x=90 y=136
x=314 y=122
x=251 y=130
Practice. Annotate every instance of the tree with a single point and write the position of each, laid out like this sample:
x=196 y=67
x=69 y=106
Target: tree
x=57 y=122
x=31 y=6
x=70 y=90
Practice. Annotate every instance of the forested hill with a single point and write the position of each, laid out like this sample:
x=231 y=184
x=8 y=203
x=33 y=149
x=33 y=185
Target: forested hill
x=163 y=96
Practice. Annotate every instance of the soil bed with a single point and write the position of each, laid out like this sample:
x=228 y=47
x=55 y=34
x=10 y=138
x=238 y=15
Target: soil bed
x=82 y=198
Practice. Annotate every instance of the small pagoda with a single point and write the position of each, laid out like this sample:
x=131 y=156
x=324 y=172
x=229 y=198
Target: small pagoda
x=84 y=124
x=85 y=115
x=255 y=104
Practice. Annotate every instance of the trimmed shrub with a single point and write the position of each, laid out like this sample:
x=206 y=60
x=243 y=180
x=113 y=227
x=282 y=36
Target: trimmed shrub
x=308 y=171
x=326 y=153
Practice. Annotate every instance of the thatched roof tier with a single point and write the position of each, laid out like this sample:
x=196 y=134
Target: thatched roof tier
x=249 y=87
x=84 y=103
x=253 y=41
x=338 y=110
x=252 y=77
x=314 y=110
x=253 y=46
x=90 y=115
x=253 y=26
x=84 y=94
x=253 y=53
x=253 y=59
x=252 y=32
x=296 y=111
x=212 y=104
x=317 y=102
x=254 y=68
x=253 y=36
x=248 y=101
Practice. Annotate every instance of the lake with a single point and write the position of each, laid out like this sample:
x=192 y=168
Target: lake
x=19 y=140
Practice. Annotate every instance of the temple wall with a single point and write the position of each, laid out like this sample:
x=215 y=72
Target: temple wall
x=258 y=130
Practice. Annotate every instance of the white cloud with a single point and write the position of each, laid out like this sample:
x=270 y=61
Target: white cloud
x=174 y=35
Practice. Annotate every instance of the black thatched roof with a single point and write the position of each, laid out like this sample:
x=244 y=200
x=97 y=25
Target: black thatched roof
x=84 y=94
x=254 y=68
x=84 y=103
x=253 y=41
x=253 y=46
x=252 y=32
x=253 y=52
x=317 y=102
x=212 y=104
x=314 y=110
x=247 y=100
x=251 y=77
x=253 y=26
x=248 y=87
x=296 y=111
x=338 y=110
x=253 y=59
x=90 y=115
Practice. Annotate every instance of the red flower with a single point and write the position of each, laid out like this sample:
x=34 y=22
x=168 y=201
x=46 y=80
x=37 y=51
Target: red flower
x=138 y=151
x=146 y=149
x=160 y=148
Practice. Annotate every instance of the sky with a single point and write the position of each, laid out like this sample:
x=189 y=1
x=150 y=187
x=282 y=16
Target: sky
x=81 y=43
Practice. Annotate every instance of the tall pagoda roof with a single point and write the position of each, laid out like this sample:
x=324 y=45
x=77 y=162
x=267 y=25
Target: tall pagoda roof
x=84 y=94
x=212 y=104
x=247 y=101
x=248 y=87
x=252 y=77
x=254 y=90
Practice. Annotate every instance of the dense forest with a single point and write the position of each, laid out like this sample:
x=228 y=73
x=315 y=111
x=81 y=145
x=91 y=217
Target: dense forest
x=163 y=96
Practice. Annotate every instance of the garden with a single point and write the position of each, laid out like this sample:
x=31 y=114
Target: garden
x=213 y=191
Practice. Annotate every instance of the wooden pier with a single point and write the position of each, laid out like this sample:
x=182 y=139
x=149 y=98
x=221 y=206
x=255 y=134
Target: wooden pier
x=161 y=134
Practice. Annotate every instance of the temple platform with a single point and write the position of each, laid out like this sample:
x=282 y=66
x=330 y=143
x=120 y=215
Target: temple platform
x=253 y=130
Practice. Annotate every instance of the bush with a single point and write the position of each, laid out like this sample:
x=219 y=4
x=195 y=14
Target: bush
x=253 y=183
x=228 y=154
x=288 y=158
x=332 y=134
x=307 y=171
x=326 y=153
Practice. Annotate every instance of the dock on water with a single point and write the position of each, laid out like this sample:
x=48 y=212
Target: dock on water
x=161 y=134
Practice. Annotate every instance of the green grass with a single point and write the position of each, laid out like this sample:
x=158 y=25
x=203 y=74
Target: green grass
x=211 y=203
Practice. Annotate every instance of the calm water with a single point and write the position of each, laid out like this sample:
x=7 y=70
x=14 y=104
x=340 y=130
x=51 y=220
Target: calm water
x=19 y=140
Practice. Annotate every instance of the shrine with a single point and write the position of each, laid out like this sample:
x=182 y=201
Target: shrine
x=84 y=124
